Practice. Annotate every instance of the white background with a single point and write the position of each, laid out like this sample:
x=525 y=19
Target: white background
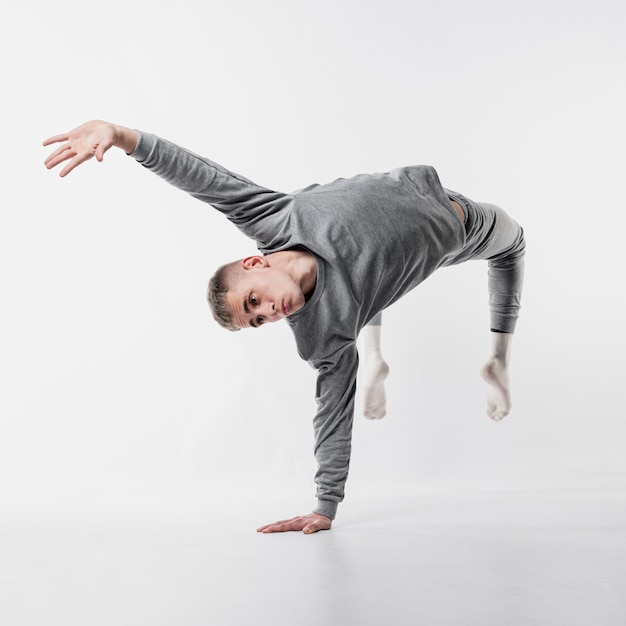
x=119 y=393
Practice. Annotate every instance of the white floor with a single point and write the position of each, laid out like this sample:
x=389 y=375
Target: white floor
x=503 y=558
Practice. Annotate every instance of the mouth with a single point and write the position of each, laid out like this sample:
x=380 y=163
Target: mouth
x=285 y=308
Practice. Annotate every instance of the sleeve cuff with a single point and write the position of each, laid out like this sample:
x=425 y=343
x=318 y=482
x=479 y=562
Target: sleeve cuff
x=144 y=147
x=327 y=508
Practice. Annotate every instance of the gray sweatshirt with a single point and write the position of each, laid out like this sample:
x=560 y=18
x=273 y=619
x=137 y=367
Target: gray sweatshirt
x=374 y=237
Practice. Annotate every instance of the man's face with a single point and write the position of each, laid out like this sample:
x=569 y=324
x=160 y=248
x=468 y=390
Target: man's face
x=263 y=294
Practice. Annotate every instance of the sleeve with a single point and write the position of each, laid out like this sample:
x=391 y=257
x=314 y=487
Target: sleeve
x=336 y=388
x=257 y=211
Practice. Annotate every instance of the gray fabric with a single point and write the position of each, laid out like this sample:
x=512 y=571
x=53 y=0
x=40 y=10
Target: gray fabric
x=377 y=320
x=374 y=237
x=493 y=236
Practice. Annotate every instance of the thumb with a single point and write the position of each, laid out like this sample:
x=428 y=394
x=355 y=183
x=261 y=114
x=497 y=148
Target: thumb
x=100 y=150
x=315 y=525
x=310 y=528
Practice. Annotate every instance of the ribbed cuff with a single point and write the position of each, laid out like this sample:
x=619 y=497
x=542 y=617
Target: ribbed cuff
x=144 y=147
x=327 y=508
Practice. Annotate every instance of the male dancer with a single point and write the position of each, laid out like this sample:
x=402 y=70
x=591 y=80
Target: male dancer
x=333 y=257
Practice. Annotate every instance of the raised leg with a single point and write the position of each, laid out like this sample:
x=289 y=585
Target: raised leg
x=374 y=371
x=506 y=276
x=492 y=235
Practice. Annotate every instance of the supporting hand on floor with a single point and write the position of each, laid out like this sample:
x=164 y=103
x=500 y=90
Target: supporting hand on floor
x=308 y=524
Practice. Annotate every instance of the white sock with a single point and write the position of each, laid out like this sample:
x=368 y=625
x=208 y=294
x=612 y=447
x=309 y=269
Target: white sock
x=496 y=374
x=374 y=371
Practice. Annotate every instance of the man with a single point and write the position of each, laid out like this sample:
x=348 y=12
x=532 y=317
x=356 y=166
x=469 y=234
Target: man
x=333 y=257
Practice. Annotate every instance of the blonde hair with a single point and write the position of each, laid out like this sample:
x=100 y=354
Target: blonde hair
x=224 y=278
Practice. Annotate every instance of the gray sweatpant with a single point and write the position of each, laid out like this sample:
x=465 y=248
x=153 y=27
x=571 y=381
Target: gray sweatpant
x=492 y=235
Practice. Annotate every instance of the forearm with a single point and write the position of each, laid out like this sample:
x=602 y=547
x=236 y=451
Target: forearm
x=333 y=431
x=333 y=458
x=252 y=208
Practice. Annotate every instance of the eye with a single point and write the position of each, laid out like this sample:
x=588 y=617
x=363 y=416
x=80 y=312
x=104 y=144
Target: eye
x=253 y=300
x=259 y=320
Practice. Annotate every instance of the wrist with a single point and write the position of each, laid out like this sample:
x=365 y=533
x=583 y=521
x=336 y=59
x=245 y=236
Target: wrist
x=125 y=138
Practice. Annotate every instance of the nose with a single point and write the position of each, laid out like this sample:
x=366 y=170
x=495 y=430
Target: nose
x=269 y=311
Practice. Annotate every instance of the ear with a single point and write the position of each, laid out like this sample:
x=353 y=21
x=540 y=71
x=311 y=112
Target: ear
x=251 y=262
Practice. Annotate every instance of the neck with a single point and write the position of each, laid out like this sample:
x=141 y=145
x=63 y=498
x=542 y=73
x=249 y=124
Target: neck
x=301 y=265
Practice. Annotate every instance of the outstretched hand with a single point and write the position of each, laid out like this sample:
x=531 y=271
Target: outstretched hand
x=88 y=140
x=308 y=524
